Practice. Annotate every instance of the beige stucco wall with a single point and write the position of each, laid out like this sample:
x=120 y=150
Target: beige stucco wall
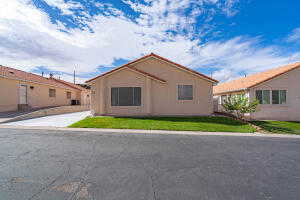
x=36 y=97
x=289 y=111
x=9 y=96
x=86 y=97
x=157 y=98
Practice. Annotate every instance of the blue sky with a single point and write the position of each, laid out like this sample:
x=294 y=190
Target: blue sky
x=225 y=38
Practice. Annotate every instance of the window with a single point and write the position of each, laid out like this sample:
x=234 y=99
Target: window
x=69 y=95
x=52 y=93
x=185 y=92
x=223 y=99
x=126 y=96
x=263 y=96
x=278 y=96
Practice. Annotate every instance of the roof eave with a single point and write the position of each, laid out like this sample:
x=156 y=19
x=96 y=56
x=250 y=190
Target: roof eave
x=231 y=91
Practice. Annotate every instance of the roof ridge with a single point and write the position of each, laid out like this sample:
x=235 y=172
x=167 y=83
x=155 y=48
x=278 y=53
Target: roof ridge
x=24 y=71
x=29 y=76
x=68 y=83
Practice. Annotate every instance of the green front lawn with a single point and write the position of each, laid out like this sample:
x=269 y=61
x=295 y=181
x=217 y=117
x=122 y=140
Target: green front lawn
x=209 y=124
x=279 y=126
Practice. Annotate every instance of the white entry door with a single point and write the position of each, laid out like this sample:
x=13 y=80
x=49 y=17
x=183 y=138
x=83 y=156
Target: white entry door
x=23 y=94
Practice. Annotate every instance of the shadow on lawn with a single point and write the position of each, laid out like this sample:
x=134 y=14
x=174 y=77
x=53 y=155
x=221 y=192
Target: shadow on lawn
x=212 y=120
x=273 y=128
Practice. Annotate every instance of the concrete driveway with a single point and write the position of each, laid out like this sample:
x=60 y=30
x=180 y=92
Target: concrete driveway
x=63 y=120
x=51 y=164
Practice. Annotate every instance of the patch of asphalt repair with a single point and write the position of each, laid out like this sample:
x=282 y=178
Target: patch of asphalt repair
x=67 y=164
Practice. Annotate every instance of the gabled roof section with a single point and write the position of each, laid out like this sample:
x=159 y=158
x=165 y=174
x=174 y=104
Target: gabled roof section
x=253 y=80
x=71 y=84
x=160 y=58
x=16 y=74
x=146 y=74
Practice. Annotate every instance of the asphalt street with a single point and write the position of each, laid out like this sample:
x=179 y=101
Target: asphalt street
x=41 y=164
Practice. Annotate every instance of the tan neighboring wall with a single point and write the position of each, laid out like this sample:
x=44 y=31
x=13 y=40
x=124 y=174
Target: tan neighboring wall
x=36 y=97
x=9 y=98
x=86 y=97
x=157 y=98
x=291 y=110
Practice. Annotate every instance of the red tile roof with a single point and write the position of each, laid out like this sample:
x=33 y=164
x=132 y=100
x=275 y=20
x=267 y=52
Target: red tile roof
x=71 y=85
x=12 y=73
x=158 y=57
x=253 y=80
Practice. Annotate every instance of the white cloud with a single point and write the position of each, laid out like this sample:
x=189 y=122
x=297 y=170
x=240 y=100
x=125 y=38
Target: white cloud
x=28 y=39
x=65 y=7
x=294 y=36
x=241 y=55
x=224 y=75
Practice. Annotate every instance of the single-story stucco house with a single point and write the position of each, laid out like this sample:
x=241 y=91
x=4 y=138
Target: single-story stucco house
x=21 y=90
x=278 y=91
x=152 y=85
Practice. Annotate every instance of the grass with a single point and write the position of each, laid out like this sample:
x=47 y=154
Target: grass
x=208 y=124
x=282 y=127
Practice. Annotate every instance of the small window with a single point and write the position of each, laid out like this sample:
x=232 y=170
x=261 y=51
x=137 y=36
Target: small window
x=52 y=93
x=263 y=96
x=278 y=96
x=185 y=92
x=126 y=96
x=69 y=95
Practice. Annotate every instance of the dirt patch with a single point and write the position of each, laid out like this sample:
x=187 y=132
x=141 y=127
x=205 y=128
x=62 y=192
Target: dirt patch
x=17 y=180
x=72 y=187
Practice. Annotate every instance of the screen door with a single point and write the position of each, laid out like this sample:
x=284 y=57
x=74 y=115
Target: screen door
x=23 y=94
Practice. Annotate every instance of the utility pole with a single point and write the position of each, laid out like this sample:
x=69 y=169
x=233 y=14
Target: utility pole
x=74 y=75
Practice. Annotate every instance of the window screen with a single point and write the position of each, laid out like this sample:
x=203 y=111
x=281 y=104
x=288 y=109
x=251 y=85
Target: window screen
x=126 y=96
x=278 y=96
x=185 y=92
x=263 y=96
x=52 y=93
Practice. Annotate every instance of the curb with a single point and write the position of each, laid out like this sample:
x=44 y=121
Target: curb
x=147 y=132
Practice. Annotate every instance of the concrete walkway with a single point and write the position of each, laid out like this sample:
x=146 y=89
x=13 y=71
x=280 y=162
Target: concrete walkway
x=4 y=116
x=63 y=120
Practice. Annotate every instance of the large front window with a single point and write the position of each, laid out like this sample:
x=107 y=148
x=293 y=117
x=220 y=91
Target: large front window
x=126 y=96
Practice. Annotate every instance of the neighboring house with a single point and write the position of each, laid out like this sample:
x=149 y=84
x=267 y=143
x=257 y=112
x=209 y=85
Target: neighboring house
x=278 y=91
x=23 y=91
x=84 y=96
x=152 y=85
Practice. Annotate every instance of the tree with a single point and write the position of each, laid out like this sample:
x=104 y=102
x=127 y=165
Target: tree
x=239 y=105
